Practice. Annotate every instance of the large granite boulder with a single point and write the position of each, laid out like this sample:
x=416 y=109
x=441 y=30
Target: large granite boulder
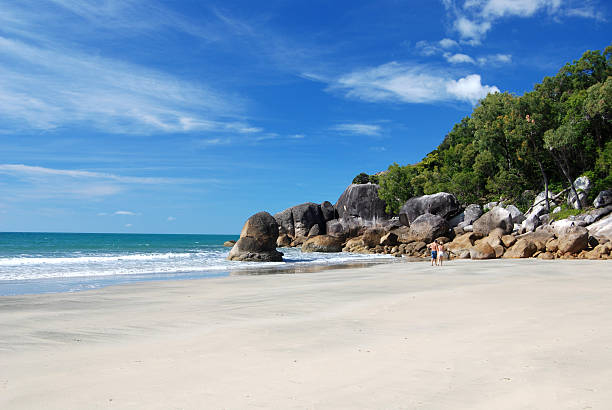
x=573 y=239
x=361 y=201
x=604 y=198
x=583 y=187
x=328 y=211
x=497 y=217
x=322 y=243
x=428 y=227
x=299 y=220
x=345 y=228
x=470 y=214
x=602 y=229
x=482 y=250
x=523 y=248
x=371 y=237
x=530 y=224
x=441 y=204
x=257 y=241
x=516 y=214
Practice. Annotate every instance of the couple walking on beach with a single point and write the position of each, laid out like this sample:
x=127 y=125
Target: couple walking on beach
x=437 y=252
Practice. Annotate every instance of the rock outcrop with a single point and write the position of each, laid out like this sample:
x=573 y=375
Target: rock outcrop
x=497 y=217
x=361 y=201
x=257 y=241
x=441 y=204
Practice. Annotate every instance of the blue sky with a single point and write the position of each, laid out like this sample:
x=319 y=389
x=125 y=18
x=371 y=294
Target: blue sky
x=189 y=116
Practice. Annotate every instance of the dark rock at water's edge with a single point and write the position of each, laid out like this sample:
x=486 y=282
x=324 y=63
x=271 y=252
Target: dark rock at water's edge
x=257 y=241
x=323 y=243
x=442 y=204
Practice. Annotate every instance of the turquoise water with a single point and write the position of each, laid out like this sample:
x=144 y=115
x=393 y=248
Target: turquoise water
x=60 y=262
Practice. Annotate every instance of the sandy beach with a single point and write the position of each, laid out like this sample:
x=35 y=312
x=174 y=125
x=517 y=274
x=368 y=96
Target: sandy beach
x=500 y=334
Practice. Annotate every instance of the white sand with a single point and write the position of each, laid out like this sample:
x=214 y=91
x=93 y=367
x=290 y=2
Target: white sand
x=521 y=334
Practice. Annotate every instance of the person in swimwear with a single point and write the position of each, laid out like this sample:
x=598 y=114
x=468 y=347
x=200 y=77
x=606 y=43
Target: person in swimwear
x=434 y=253
x=440 y=252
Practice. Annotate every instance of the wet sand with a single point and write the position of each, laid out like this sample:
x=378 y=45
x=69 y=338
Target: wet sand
x=501 y=334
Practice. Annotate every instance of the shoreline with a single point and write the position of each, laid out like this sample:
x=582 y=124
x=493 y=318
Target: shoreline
x=471 y=334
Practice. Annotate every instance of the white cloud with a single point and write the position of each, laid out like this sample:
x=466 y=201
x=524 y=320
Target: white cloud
x=395 y=82
x=476 y=17
x=359 y=129
x=171 y=218
x=471 y=30
x=128 y=225
x=521 y=8
x=459 y=58
x=495 y=59
x=297 y=136
x=470 y=88
x=448 y=43
x=128 y=213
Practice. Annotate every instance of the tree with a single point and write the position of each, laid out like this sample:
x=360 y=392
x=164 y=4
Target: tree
x=395 y=188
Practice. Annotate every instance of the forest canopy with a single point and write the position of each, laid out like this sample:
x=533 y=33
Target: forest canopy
x=511 y=146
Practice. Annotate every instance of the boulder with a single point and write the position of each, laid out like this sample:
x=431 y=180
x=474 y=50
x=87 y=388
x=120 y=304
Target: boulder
x=573 y=240
x=539 y=205
x=604 y=198
x=322 y=243
x=496 y=218
x=530 y=223
x=597 y=214
x=523 y=248
x=602 y=229
x=284 y=219
x=427 y=227
x=305 y=216
x=516 y=214
x=583 y=187
x=470 y=215
x=556 y=210
x=552 y=245
x=403 y=234
x=482 y=250
x=441 y=204
x=456 y=220
x=462 y=243
x=371 y=237
x=389 y=239
x=229 y=244
x=355 y=245
x=257 y=241
x=314 y=231
x=361 y=201
x=283 y=241
x=328 y=211
x=546 y=256
x=508 y=240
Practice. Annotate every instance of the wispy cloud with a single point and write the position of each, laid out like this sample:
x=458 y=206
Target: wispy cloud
x=459 y=58
x=41 y=182
x=49 y=81
x=359 y=129
x=408 y=83
x=170 y=219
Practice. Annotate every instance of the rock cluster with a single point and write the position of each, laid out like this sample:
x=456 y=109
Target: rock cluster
x=358 y=223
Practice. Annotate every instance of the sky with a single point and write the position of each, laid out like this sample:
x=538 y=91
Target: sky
x=190 y=116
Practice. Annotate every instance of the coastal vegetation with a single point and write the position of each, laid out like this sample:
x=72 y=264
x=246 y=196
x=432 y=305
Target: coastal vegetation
x=511 y=147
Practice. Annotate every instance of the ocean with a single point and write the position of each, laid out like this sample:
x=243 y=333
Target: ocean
x=69 y=262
